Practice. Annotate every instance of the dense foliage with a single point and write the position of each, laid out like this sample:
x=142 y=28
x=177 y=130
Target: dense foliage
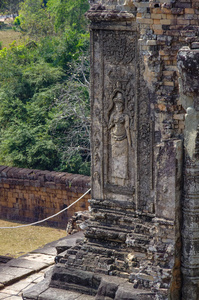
x=10 y=6
x=44 y=112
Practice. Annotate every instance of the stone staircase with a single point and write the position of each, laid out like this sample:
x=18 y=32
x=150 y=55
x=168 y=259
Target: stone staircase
x=121 y=257
x=111 y=253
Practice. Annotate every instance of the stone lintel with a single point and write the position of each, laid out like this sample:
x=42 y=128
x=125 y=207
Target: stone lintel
x=112 y=25
x=108 y=15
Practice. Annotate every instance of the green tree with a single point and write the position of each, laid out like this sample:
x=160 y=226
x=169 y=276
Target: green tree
x=65 y=49
x=10 y=6
x=27 y=91
x=35 y=20
x=44 y=112
x=70 y=126
x=69 y=13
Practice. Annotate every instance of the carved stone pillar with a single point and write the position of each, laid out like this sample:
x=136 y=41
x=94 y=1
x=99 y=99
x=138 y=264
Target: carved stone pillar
x=122 y=138
x=188 y=64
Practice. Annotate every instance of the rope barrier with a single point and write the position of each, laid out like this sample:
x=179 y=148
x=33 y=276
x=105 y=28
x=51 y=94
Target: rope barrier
x=41 y=221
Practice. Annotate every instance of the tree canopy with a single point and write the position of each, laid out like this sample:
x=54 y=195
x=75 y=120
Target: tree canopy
x=44 y=112
x=10 y=6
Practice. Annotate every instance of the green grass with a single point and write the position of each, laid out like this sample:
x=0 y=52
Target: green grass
x=19 y=241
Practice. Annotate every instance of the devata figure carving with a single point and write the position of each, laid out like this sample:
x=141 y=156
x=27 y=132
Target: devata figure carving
x=120 y=140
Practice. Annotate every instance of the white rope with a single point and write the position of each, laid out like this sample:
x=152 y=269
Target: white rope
x=41 y=221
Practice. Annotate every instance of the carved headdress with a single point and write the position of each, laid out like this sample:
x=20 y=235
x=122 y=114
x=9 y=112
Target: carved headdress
x=119 y=97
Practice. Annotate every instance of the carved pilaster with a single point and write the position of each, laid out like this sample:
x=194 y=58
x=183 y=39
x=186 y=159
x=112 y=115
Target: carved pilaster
x=188 y=64
x=114 y=77
x=168 y=191
x=122 y=142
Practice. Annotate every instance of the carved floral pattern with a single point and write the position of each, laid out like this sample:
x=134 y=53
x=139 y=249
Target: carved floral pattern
x=118 y=48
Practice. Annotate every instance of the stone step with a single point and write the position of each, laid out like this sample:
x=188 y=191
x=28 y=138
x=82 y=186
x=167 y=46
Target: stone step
x=136 y=229
x=75 y=280
x=118 y=235
x=117 y=269
x=121 y=265
x=72 y=251
x=122 y=221
x=112 y=287
x=106 y=287
x=69 y=242
x=55 y=294
x=124 y=275
x=5 y=259
x=99 y=285
x=120 y=293
x=102 y=234
x=58 y=294
x=108 y=252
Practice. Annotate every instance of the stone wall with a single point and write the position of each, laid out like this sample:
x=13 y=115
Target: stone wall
x=31 y=195
x=169 y=45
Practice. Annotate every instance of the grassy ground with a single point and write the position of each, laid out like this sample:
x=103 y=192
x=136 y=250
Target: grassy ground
x=16 y=242
x=8 y=35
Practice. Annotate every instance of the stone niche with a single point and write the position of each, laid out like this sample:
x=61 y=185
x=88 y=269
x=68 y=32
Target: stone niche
x=142 y=240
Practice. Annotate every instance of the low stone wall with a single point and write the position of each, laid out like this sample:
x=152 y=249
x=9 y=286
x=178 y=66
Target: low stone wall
x=30 y=195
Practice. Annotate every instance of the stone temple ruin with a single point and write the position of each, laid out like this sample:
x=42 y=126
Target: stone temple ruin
x=143 y=239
